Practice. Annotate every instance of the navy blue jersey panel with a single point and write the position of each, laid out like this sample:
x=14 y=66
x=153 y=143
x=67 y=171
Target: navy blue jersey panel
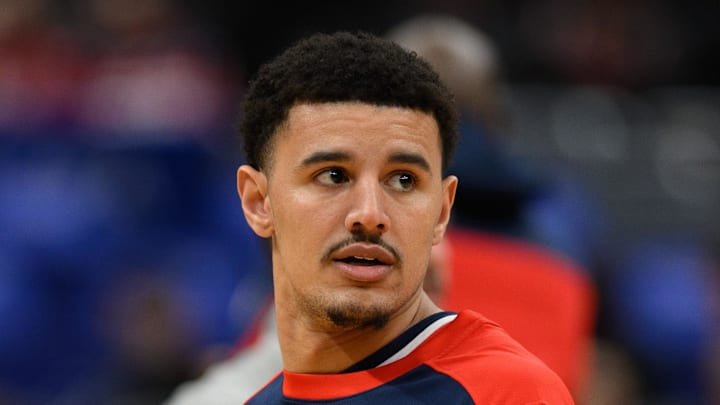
x=271 y=394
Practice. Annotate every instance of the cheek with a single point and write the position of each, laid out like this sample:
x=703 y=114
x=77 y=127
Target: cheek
x=414 y=227
x=301 y=222
x=303 y=209
x=421 y=214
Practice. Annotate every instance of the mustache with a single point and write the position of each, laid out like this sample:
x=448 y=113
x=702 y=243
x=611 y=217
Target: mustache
x=360 y=237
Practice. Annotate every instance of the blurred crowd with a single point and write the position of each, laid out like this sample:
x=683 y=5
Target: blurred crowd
x=590 y=137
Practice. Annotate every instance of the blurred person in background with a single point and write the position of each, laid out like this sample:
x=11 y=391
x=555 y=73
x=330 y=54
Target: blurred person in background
x=504 y=194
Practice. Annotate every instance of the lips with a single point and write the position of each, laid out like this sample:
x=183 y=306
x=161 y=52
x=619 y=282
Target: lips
x=363 y=262
x=364 y=254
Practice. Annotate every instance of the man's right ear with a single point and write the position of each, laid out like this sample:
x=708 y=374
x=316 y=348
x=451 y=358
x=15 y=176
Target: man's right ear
x=252 y=189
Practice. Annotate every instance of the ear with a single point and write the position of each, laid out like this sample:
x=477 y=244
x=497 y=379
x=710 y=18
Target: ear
x=449 y=187
x=252 y=188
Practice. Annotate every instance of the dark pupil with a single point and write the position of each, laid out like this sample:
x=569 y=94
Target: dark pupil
x=337 y=176
x=405 y=180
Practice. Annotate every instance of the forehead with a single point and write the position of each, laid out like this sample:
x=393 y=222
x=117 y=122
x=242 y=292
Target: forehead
x=355 y=126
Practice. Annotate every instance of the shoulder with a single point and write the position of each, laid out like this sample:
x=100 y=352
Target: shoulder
x=493 y=367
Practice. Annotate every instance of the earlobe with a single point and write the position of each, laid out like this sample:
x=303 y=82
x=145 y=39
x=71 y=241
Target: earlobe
x=449 y=186
x=252 y=189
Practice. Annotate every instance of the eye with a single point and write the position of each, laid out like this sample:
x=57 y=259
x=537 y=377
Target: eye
x=402 y=181
x=332 y=177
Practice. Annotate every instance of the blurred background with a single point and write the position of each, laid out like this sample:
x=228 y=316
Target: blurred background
x=591 y=128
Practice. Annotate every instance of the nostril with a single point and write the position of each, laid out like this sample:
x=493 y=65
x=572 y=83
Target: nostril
x=359 y=227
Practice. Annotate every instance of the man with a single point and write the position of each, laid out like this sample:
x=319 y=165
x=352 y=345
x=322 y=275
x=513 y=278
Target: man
x=347 y=137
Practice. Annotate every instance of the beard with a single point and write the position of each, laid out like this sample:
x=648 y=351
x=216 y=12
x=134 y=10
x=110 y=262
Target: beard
x=347 y=312
x=355 y=316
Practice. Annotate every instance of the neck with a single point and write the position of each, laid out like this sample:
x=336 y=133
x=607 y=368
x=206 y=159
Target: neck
x=311 y=346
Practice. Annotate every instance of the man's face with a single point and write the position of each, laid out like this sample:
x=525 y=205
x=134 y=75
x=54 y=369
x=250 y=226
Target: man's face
x=354 y=201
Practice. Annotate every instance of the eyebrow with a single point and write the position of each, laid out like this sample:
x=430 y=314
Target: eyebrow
x=410 y=158
x=325 y=156
x=337 y=156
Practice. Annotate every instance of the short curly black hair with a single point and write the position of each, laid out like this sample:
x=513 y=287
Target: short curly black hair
x=343 y=67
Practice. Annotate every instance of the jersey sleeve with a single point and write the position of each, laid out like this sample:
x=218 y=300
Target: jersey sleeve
x=506 y=380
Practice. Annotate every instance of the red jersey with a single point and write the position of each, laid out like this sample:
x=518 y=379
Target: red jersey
x=467 y=360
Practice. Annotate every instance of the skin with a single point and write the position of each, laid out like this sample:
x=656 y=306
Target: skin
x=348 y=179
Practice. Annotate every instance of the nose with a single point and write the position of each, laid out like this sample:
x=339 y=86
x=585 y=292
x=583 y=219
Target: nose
x=367 y=211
